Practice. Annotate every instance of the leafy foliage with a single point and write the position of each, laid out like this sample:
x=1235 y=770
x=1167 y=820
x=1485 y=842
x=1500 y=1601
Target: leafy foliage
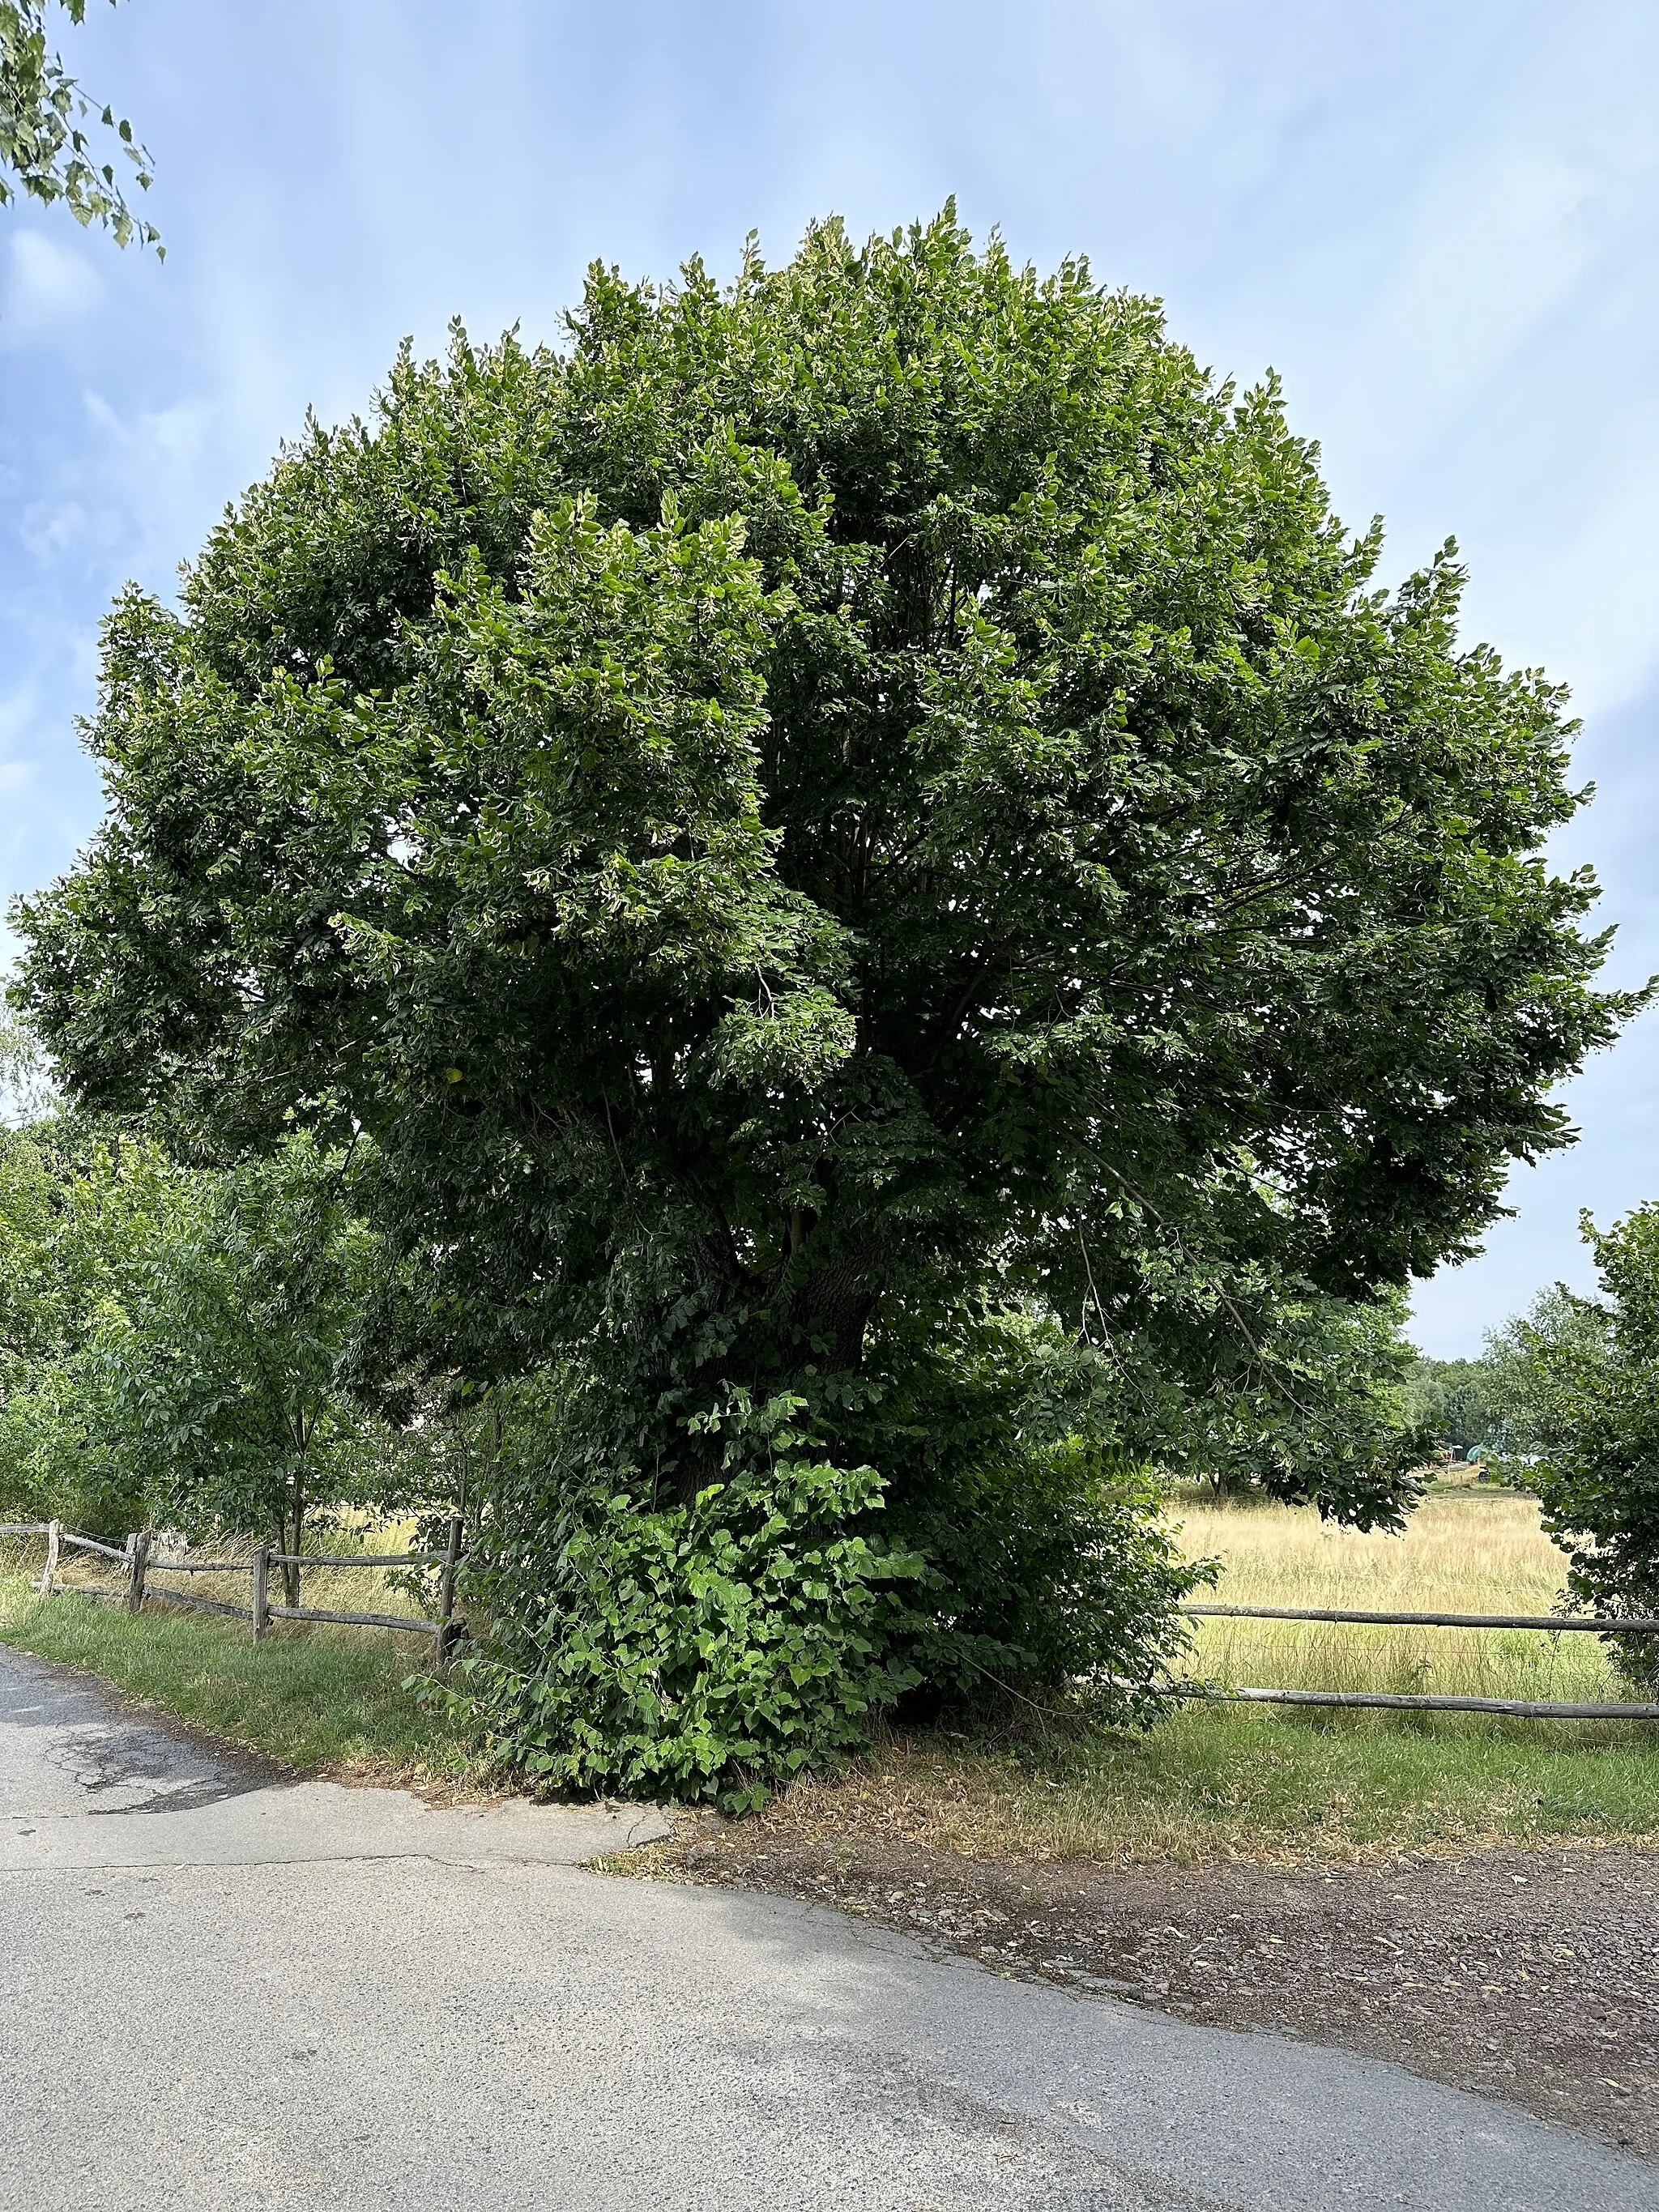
x=42 y=139
x=174 y=1340
x=826 y=782
x=697 y=1651
x=227 y=1376
x=1592 y=1371
x=1045 y=1564
x=78 y=1222
x=1498 y=1406
x=1453 y=1399
x=28 y=1092
x=1304 y=1397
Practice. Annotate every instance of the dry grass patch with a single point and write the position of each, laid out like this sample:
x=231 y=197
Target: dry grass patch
x=1469 y=1549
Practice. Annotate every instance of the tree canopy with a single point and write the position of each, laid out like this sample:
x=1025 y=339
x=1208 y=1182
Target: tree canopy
x=822 y=810
x=883 y=771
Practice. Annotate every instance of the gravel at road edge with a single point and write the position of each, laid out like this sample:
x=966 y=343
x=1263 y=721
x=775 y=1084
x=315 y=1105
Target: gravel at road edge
x=1527 y=1975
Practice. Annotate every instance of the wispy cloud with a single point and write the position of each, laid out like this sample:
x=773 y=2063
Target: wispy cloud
x=50 y=290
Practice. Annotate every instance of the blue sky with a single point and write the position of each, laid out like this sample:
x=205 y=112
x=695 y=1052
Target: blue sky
x=1440 y=223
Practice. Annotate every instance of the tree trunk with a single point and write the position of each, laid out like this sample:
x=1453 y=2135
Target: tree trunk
x=291 y=1573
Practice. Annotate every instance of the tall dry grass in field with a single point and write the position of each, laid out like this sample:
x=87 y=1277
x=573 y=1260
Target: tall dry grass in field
x=1464 y=1550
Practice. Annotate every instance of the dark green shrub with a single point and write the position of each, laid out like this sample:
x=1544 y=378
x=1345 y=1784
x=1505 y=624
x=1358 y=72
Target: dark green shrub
x=700 y=1650
x=1048 y=1566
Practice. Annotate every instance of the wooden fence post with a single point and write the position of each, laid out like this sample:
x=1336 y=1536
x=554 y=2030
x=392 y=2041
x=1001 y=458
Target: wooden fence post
x=139 y=1560
x=49 y=1573
x=261 y=1592
x=446 y=1593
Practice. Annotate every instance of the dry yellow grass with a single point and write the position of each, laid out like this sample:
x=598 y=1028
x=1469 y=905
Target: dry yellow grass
x=1471 y=1550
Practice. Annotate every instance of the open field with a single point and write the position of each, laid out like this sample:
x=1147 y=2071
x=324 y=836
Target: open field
x=1471 y=1549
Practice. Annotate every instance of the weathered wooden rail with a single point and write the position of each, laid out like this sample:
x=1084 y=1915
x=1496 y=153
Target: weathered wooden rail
x=138 y=1566
x=1552 y=1623
x=1405 y=1701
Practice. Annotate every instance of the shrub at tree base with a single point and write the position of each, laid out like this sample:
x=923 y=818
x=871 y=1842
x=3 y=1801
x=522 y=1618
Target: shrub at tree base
x=874 y=796
x=711 y=1649
x=702 y=1650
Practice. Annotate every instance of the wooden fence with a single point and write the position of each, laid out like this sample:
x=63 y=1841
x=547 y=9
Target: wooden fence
x=138 y=1564
x=1527 y=1709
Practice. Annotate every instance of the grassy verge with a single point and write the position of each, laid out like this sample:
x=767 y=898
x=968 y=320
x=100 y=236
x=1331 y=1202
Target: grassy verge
x=323 y=1702
x=1236 y=1783
x=1213 y=1784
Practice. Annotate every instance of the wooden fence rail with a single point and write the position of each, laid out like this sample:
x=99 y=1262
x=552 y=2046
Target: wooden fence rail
x=1521 y=1708
x=139 y=1567
x=1552 y=1623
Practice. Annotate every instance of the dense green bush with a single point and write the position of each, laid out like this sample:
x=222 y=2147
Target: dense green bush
x=1047 y=1566
x=714 y=1647
x=700 y=1650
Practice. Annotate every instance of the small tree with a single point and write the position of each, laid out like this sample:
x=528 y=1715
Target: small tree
x=229 y=1367
x=1591 y=1375
x=173 y=1340
x=81 y=1221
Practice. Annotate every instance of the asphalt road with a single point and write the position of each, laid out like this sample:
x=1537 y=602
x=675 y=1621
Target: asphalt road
x=219 y=1989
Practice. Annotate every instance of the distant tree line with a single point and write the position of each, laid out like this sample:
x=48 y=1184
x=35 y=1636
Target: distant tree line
x=1497 y=1407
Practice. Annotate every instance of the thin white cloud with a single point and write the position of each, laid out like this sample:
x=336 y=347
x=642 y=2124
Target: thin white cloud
x=50 y=290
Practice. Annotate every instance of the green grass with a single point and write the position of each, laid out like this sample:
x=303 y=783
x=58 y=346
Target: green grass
x=1241 y=1783
x=323 y=1701
x=1211 y=1783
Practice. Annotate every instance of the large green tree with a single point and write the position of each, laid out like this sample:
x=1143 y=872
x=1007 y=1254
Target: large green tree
x=879 y=792
x=882 y=775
